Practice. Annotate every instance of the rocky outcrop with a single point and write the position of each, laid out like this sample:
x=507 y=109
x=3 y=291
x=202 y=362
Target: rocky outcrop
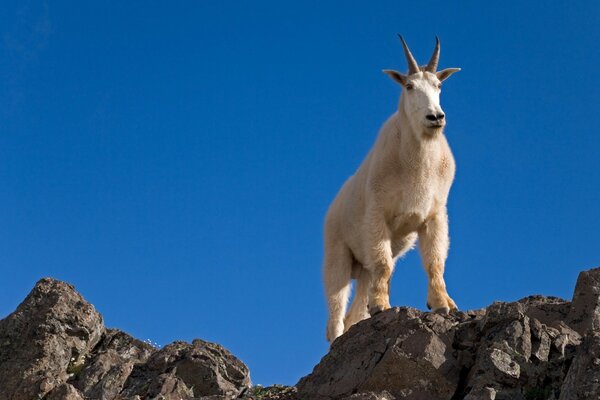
x=55 y=346
x=537 y=348
x=53 y=326
x=393 y=351
x=206 y=367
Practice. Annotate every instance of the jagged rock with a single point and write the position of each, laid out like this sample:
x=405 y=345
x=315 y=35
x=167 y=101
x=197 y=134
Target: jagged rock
x=188 y=370
x=104 y=372
x=509 y=351
x=51 y=327
x=402 y=350
x=64 y=392
x=583 y=380
x=516 y=355
x=274 y=392
x=484 y=393
x=55 y=346
x=584 y=315
x=550 y=311
x=370 y=396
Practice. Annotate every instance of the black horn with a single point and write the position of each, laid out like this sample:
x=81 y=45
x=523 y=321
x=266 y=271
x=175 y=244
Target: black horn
x=435 y=57
x=413 y=67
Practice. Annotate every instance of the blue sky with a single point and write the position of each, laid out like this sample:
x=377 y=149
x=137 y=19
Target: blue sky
x=174 y=160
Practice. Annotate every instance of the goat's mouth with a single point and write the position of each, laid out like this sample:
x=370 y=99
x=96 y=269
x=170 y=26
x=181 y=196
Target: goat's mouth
x=434 y=129
x=436 y=126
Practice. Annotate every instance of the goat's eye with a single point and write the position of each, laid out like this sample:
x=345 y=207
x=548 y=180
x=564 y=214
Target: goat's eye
x=439 y=86
x=409 y=86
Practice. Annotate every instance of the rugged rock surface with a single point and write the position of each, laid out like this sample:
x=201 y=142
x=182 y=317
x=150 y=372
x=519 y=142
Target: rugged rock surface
x=52 y=326
x=55 y=346
x=537 y=348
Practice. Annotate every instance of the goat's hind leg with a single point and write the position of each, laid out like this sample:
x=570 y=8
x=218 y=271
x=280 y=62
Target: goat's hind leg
x=358 y=309
x=337 y=270
x=380 y=263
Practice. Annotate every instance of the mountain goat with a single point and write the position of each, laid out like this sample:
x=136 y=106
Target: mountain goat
x=398 y=194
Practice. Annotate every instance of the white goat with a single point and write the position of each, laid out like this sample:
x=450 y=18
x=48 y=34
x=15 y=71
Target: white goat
x=398 y=194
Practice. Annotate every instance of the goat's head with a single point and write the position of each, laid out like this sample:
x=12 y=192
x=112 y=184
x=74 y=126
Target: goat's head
x=420 y=100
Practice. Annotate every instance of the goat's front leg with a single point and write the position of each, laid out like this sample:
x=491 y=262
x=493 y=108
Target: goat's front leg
x=433 y=244
x=380 y=263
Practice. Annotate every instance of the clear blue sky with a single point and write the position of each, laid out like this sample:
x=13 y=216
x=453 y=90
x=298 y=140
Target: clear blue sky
x=174 y=160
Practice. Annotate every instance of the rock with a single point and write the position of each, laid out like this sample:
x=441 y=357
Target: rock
x=274 y=392
x=64 y=392
x=188 y=370
x=370 y=396
x=107 y=368
x=584 y=315
x=51 y=327
x=484 y=393
x=583 y=380
x=55 y=346
x=517 y=356
x=403 y=351
x=509 y=351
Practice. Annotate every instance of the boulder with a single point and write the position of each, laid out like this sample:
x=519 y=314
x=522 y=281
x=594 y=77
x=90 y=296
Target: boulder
x=187 y=370
x=584 y=314
x=50 y=329
x=403 y=351
x=103 y=373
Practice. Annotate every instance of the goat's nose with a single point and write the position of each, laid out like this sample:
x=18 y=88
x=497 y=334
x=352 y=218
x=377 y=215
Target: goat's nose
x=436 y=117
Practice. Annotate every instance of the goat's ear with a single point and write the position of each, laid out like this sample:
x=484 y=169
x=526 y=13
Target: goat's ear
x=445 y=73
x=396 y=76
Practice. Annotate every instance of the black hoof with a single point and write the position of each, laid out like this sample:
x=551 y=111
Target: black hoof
x=442 y=310
x=374 y=310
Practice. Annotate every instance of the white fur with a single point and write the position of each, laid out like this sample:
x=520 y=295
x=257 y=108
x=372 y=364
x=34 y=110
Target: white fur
x=397 y=195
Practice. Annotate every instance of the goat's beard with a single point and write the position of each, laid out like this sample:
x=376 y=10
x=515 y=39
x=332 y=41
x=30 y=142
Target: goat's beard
x=433 y=131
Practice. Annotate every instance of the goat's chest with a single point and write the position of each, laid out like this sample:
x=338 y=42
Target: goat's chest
x=413 y=197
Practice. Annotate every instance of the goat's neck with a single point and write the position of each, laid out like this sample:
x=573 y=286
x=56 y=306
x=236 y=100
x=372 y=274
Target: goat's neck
x=413 y=147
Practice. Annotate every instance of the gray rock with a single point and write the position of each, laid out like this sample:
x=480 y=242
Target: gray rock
x=402 y=350
x=583 y=380
x=64 y=392
x=188 y=370
x=105 y=370
x=52 y=327
x=484 y=393
x=509 y=351
x=371 y=396
x=55 y=346
x=550 y=311
x=584 y=315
